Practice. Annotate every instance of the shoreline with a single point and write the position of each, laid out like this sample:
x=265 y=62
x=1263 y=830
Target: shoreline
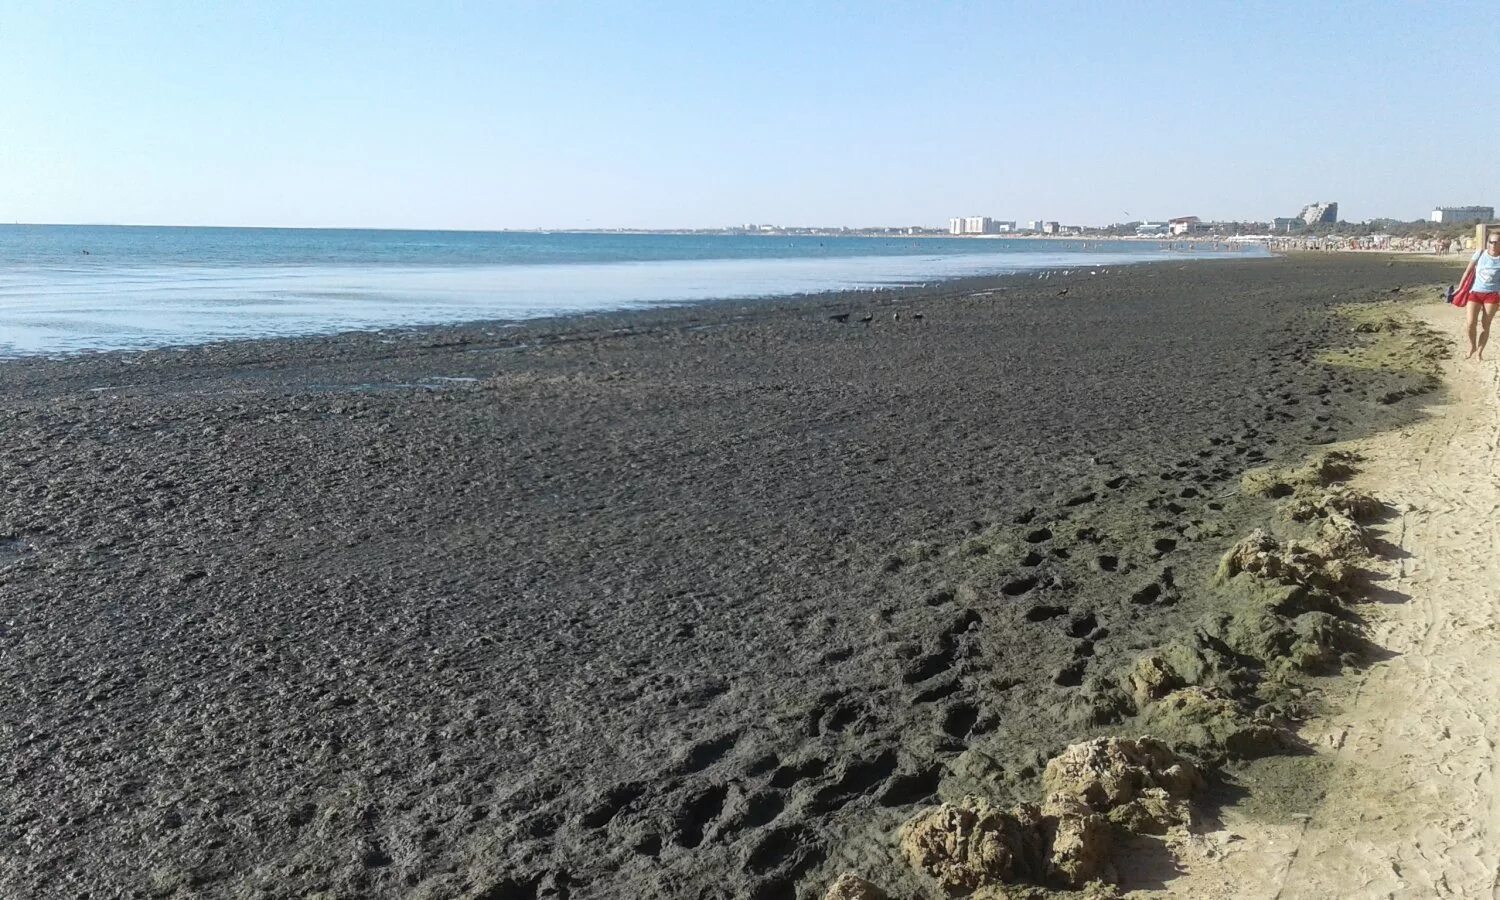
x=506 y=311
x=665 y=600
x=500 y=334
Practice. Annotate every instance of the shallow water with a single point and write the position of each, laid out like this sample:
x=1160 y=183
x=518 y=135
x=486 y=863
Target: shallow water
x=80 y=288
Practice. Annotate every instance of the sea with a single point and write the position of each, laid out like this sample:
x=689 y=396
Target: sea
x=68 y=289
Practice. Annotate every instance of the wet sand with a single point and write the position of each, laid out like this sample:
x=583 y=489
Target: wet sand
x=689 y=603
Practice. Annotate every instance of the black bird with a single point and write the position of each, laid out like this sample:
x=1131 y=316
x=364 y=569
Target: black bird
x=867 y=319
x=1063 y=292
x=917 y=316
x=839 y=317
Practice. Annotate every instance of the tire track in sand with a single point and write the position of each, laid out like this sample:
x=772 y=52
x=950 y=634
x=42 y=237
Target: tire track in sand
x=1412 y=804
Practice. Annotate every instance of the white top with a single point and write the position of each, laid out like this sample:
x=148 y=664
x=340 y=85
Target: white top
x=1486 y=273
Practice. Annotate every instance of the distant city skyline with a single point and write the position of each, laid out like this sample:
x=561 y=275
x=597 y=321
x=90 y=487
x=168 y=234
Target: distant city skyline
x=599 y=115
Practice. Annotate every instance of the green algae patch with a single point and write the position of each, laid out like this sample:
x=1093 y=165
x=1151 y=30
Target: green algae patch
x=1389 y=339
x=1323 y=470
x=1279 y=788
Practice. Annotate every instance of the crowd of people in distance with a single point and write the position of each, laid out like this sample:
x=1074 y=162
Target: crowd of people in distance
x=1383 y=242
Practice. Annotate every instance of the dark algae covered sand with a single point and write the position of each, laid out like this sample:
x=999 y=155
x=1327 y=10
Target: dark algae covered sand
x=703 y=602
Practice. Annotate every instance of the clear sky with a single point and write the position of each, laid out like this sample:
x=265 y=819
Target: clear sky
x=556 y=114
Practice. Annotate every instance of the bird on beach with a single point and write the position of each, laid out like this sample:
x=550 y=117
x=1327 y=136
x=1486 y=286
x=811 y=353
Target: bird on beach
x=839 y=317
x=1063 y=292
x=867 y=319
x=917 y=316
x=895 y=317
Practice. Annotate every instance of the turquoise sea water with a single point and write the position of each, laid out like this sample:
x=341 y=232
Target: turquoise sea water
x=77 y=288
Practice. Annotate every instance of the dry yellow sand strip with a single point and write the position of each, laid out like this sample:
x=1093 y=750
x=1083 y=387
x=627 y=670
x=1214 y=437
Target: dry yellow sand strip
x=1412 y=807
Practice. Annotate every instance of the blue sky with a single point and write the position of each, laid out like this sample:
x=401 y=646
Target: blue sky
x=542 y=115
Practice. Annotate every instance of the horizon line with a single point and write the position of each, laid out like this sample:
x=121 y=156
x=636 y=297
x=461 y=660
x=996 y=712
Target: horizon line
x=618 y=228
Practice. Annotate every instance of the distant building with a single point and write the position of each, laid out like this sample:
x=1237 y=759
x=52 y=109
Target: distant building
x=1049 y=228
x=1034 y=225
x=1151 y=229
x=1284 y=225
x=979 y=225
x=1313 y=213
x=1451 y=215
x=1187 y=225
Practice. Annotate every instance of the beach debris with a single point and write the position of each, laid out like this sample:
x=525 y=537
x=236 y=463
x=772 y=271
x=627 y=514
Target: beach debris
x=1333 y=466
x=1290 y=600
x=1094 y=789
x=1262 y=556
x=1357 y=505
x=852 y=887
x=1276 y=628
x=1079 y=841
x=1202 y=691
x=1108 y=775
x=1321 y=642
x=867 y=319
x=1213 y=724
x=1386 y=325
x=1323 y=470
x=1063 y=292
x=839 y=317
x=1259 y=554
x=1341 y=536
x=1150 y=678
x=1153 y=811
x=966 y=845
x=1322 y=570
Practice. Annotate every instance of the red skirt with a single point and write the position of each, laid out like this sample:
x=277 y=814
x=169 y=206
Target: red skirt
x=1461 y=296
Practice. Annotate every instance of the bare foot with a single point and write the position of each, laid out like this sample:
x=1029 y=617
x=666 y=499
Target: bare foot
x=1469 y=355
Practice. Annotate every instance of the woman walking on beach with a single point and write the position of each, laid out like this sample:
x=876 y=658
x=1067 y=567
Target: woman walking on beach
x=1484 y=296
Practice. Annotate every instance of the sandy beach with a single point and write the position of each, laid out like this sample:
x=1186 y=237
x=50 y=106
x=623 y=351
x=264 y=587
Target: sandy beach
x=699 y=602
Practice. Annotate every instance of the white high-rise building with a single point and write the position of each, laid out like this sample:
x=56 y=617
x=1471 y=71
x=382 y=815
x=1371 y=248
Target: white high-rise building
x=979 y=225
x=1449 y=215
